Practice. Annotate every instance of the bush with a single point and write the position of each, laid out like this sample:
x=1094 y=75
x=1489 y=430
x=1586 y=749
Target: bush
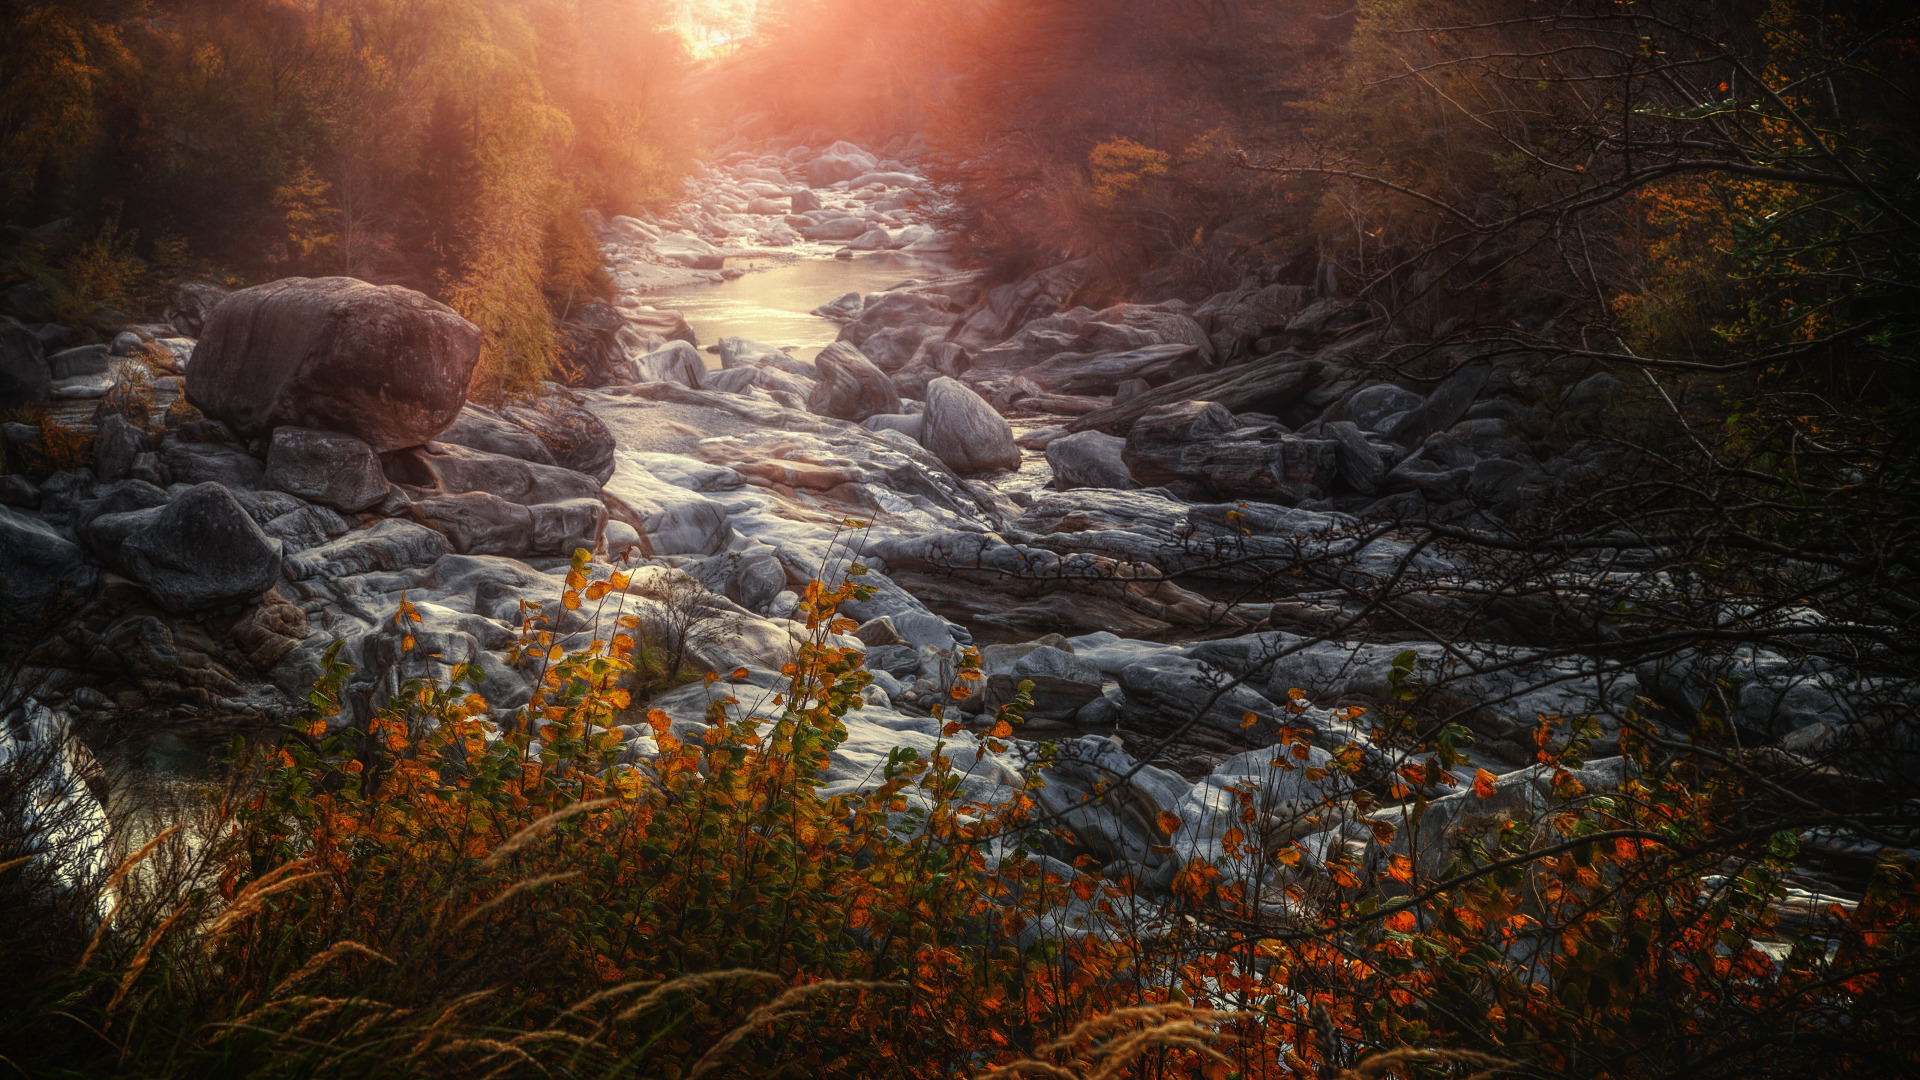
x=446 y=891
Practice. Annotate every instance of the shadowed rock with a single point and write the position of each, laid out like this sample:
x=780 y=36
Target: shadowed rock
x=384 y=364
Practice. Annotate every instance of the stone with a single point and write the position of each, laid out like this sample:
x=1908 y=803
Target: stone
x=1007 y=308
x=37 y=565
x=483 y=429
x=1589 y=399
x=1200 y=444
x=1361 y=466
x=327 y=467
x=841 y=309
x=24 y=375
x=906 y=424
x=674 y=362
x=841 y=161
x=574 y=437
x=561 y=527
x=446 y=469
x=190 y=303
x=837 y=228
x=738 y=352
x=891 y=349
x=211 y=462
x=17 y=490
x=116 y=446
x=1102 y=373
x=1127 y=389
x=752 y=579
x=1088 y=459
x=1444 y=407
x=1171 y=689
x=390 y=544
x=1062 y=683
x=850 y=387
x=83 y=387
x=85 y=360
x=961 y=429
x=198 y=552
x=385 y=364
x=1370 y=407
x=688 y=251
x=672 y=520
x=804 y=200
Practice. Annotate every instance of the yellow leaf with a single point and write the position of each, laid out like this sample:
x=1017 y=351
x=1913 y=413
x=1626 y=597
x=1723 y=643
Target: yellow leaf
x=598 y=589
x=1247 y=720
x=658 y=721
x=406 y=643
x=1288 y=856
x=620 y=579
x=575 y=579
x=570 y=600
x=620 y=698
x=1483 y=784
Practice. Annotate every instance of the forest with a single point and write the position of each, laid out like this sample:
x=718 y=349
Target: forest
x=1673 y=246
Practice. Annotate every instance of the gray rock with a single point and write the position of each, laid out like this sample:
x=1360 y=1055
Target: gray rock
x=304 y=527
x=83 y=387
x=219 y=463
x=455 y=470
x=1444 y=407
x=1088 y=459
x=843 y=308
x=36 y=565
x=574 y=437
x=891 y=349
x=850 y=387
x=85 y=360
x=751 y=579
x=740 y=352
x=838 y=228
x=24 y=375
x=125 y=343
x=804 y=200
x=1371 y=407
x=1127 y=389
x=391 y=544
x=483 y=429
x=898 y=310
x=190 y=303
x=906 y=424
x=1007 y=308
x=1199 y=443
x=385 y=364
x=17 y=490
x=327 y=467
x=961 y=429
x=1591 y=397
x=1102 y=373
x=841 y=161
x=114 y=500
x=560 y=528
x=117 y=446
x=688 y=251
x=674 y=362
x=672 y=520
x=1361 y=466
x=198 y=552
x=1171 y=689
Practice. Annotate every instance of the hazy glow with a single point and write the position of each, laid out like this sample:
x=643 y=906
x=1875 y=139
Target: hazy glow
x=711 y=27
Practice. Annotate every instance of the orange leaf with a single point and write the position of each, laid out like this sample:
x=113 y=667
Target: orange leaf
x=1400 y=868
x=620 y=580
x=739 y=673
x=1247 y=720
x=1169 y=822
x=598 y=589
x=1289 y=856
x=659 y=721
x=1483 y=784
x=406 y=643
x=1002 y=729
x=1403 y=921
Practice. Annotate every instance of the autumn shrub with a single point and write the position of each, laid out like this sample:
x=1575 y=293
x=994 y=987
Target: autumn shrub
x=444 y=889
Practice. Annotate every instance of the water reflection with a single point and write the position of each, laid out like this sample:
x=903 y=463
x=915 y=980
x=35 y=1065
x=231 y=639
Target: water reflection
x=772 y=305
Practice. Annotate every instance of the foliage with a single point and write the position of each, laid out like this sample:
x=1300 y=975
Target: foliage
x=441 y=889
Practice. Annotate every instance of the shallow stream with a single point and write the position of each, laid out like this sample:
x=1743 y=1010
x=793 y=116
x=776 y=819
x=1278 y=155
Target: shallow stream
x=773 y=302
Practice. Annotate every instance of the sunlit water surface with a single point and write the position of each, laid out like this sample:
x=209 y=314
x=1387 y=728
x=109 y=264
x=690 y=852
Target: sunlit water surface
x=773 y=305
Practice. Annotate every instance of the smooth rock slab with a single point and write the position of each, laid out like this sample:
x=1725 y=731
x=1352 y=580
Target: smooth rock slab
x=391 y=544
x=387 y=365
x=456 y=470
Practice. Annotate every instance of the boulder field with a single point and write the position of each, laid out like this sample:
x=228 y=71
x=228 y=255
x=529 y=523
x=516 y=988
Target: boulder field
x=1165 y=516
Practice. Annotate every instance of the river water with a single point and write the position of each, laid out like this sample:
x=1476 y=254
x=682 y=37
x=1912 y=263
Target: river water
x=771 y=304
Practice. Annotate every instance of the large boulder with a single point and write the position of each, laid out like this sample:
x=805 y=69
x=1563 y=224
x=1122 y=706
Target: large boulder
x=1361 y=465
x=961 y=429
x=444 y=468
x=325 y=467
x=1007 y=308
x=384 y=364
x=198 y=552
x=24 y=375
x=1372 y=407
x=740 y=352
x=1089 y=459
x=117 y=446
x=850 y=387
x=688 y=251
x=896 y=311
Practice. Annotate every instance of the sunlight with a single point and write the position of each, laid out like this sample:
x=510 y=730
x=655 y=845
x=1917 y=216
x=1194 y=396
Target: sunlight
x=713 y=27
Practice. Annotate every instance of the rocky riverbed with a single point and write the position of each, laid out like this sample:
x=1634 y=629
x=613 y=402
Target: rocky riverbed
x=1168 y=517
